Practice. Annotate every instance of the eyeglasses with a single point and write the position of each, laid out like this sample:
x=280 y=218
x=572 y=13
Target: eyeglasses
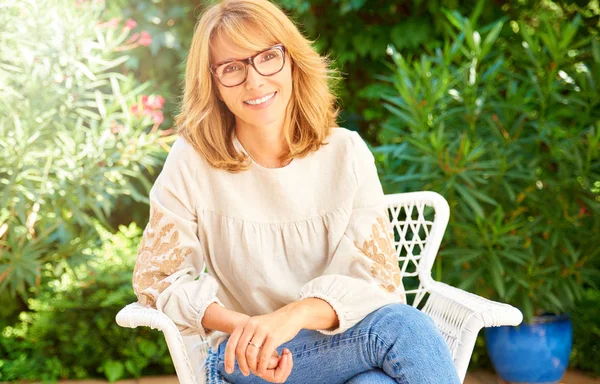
x=234 y=72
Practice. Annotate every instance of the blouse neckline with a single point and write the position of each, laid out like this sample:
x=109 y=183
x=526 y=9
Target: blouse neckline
x=238 y=145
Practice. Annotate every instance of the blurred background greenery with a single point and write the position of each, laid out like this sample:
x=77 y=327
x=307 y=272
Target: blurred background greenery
x=493 y=104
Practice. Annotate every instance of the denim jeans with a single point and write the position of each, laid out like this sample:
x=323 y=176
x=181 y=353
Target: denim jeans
x=394 y=344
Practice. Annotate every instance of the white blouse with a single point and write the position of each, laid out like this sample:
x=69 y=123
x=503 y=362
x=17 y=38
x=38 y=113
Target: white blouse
x=317 y=227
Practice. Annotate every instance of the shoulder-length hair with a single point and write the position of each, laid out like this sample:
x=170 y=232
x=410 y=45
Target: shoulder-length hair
x=206 y=122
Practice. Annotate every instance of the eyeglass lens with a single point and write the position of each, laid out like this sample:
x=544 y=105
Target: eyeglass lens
x=267 y=63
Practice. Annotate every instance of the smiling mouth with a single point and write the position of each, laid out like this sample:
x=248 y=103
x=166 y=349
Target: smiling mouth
x=261 y=100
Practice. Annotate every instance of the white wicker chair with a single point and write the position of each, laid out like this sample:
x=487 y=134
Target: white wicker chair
x=419 y=220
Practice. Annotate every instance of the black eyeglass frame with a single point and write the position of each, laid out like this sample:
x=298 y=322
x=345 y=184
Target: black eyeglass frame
x=248 y=61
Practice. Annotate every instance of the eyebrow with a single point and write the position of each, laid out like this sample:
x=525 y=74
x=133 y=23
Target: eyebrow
x=243 y=58
x=230 y=60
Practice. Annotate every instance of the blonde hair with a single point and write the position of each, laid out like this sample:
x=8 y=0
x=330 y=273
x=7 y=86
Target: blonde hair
x=208 y=125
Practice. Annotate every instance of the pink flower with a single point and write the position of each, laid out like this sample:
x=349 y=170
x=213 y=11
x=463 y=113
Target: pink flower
x=112 y=23
x=130 y=24
x=132 y=39
x=150 y=106
x=157 y=102
x=157 y=116
x=145 y=39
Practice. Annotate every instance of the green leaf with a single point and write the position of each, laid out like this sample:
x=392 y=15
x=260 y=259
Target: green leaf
x=517 y=257
x=527 y=309
x=483 y=197
x=113 y=370
x=402 y=115
x=468 y=198
x=468 y=282
x=570 y=31
x=85 y=70
x=498 y=283
x=454 y=17
x=490 y=39
x=558 y=306
x=596 y=50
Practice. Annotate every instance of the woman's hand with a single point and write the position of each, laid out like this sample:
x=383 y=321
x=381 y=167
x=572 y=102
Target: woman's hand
x=281 y=371
x=274 y=360
x=269 y=332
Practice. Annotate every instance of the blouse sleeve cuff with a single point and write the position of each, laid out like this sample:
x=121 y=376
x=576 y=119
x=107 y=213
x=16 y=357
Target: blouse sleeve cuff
x=204 y=332
x=337 y=307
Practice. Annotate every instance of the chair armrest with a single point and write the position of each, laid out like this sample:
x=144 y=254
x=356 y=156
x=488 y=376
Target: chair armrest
x=489 y=313
x=460 y=315
x=135 y=315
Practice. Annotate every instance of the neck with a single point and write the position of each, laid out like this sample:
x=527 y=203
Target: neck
x=265 y=144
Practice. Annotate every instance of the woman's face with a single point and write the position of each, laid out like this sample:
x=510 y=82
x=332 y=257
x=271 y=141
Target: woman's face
x=267 y=114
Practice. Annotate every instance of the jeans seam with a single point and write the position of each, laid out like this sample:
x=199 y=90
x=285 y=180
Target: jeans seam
x=212 y=373
x=349 y=339
x=400 y=379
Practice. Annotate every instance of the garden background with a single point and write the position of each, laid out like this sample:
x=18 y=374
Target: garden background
x=493 y=104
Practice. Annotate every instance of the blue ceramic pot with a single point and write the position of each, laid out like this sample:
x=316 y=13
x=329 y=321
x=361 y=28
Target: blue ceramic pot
x=531 y=353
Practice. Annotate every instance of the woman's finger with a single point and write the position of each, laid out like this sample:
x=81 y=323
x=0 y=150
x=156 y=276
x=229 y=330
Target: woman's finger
x=253 y=353
x=242 y=346
x=285 y=369
x=230 y=349
x=290 y=365
x=281 y=371
x=266 y=351
x=274 y=361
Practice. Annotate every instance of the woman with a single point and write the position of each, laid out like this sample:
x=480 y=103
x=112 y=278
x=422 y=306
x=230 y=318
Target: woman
x=286 y=212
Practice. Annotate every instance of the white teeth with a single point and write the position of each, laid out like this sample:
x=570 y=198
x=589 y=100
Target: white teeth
x=260 y=101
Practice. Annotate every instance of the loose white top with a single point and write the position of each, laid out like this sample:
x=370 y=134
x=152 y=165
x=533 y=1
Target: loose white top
x=317 y=227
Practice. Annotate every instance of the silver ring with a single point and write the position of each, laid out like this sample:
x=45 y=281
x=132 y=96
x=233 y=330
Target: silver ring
x=253 y=344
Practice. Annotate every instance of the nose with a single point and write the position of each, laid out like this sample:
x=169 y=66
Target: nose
x=254 y=79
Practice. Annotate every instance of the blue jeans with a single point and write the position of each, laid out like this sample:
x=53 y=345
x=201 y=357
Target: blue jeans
x=394 y=344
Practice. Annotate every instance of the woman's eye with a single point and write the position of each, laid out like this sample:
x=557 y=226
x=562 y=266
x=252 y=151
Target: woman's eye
x=231 y=68
x=269 y=56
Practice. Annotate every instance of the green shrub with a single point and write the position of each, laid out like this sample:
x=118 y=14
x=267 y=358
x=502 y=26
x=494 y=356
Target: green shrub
x=504 y=121
x=586 y=333
x=72 y=333
x=71 y=139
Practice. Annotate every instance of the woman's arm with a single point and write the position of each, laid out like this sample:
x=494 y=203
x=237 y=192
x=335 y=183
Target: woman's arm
x=315 y=314
x=217 y=317
x=169 y=270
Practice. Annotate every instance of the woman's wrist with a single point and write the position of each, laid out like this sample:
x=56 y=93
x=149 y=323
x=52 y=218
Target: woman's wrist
x=217 y=317
x=314 y=313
